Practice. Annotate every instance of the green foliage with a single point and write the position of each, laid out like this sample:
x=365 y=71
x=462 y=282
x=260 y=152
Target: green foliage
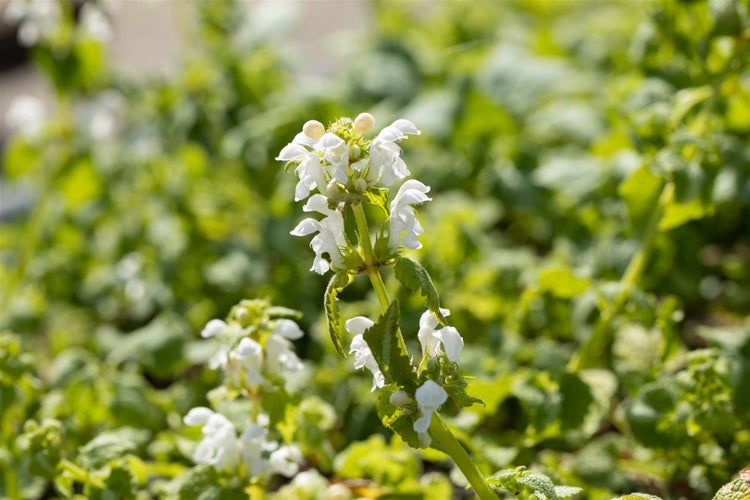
x=527 y=484
x=414 y=277
x=588 y=165
x=338 y=282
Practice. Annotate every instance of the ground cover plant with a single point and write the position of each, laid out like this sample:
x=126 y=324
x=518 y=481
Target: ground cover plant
x=573 y=197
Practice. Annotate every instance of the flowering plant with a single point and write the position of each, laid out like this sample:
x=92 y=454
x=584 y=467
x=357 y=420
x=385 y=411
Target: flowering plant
x=351 y=173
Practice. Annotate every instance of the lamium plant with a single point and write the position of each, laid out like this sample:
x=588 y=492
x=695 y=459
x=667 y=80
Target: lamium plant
x=367 y=179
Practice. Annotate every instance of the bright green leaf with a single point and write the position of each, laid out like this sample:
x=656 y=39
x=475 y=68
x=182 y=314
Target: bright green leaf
x=414 y=277
x=338 y=282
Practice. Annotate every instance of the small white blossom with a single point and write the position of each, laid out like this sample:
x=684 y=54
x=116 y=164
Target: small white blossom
x=330 y=238
x=36 y=19
x=364 y=122
x=286 y=460
x=213 y=328
x=95 y=23
x=287 y=329
x=386 y=164
x=403 y=219
x=247 y=359
x=430 y=396
x=310 y=171
x=281 y=356
x=363 y=357
x=253 y=443
x=430 y=338
x=399 y=398
x=313 y=129
x=25 y=114
x=219 y=446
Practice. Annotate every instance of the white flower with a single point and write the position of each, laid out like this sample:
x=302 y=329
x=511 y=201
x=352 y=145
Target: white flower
x=287 y=329
x=35 y=18
x=309 y=170
x=399 y=398
x=219 y=446
x=280 y=355
x=430 y=338
x=95 y=22
x=386 y=164
x=286 y=460
x=246 y=358
x=25 y=114
x=330 y=238
x=253 y=442
x=336 y=154
x=363 y=357
x=430 y=396
x=403 y=220
x=213 y=328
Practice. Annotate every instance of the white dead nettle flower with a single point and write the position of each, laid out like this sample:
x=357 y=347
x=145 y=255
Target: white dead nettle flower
x=430 y=396
x=213 y=328
x=253 y=446
x=25 y=114
x=95 y=22
x=403 y=220
x=36 y=19
x=286 y=460
x=330 y=238
x=399 y=398
x=363 y=357
x=245 y=359
x=219 y=446
x=279 y=349
x=386 y=164
x=430 y=338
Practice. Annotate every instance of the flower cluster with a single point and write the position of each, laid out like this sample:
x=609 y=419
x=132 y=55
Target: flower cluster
x=343 y=165
x=430 y=395
x=224 y=449
x=254 y=352
x=244 y=360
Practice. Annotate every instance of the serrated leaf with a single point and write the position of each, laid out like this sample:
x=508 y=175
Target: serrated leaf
x=387 y=346
x=396 y=418
x=338 y=282
x=567 y=491
x=540 y=484
x=414 y=277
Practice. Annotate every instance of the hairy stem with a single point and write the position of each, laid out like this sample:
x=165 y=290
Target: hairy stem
x=438 y=429
x=443 y=435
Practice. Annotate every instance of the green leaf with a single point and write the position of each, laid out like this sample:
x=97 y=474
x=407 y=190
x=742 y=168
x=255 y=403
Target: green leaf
x=539 y=483
x=638 y=496
x=640 y=192
x=399 y=419
x=414 y=277
x=105 y=447
x=338 y=282
x=567 y=491
x=387 y=346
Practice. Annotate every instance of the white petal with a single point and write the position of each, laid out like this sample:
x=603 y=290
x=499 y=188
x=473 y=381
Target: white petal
x=430 y=394
x=452 y=341
x=317 y=203
x=198 y=416
x=292 y=152
x=423 y=423
x=329 y=141
x=405 y=127
x=305 y=227
x=213 y=328
x=358 y=325
x=288 y=329
x=247 y=348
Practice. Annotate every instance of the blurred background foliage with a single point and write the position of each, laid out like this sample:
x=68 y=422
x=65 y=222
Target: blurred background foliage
x=590 y=232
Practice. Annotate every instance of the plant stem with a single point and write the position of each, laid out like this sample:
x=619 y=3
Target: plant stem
x=439 y=431
x=596 y=344
x=442 y=434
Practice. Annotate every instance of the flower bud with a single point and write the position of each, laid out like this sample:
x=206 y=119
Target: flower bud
x=424 y=439
x=354 y=152
x=400 y=398
x=332 y=189
x=313 y=129
x=360 y=185
x=364 y=122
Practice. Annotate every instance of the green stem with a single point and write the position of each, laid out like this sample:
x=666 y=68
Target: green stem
x=442 y=434
x=438 y=429
x=79 y=474
x=596 y=344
